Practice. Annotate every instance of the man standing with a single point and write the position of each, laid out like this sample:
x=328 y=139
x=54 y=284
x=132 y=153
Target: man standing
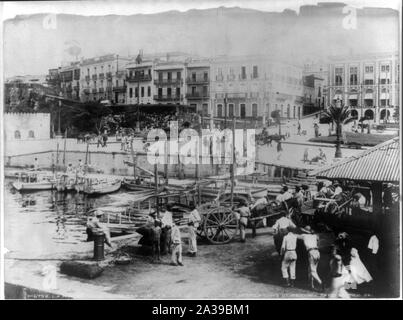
x=176 y=246
x=244 y=213
x=289 y=257
x=193 y=224
x=299 y=128
x=36 y=164
x=167 y=223
x=311 y=244
x=316 y=128
x=280 y=229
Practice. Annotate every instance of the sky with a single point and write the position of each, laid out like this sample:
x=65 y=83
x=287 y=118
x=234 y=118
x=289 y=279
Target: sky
x=125 y=7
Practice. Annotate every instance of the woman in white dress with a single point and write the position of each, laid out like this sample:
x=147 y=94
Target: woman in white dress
x=358 y=271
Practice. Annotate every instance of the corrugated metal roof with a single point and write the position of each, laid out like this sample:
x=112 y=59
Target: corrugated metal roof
x=380 y=163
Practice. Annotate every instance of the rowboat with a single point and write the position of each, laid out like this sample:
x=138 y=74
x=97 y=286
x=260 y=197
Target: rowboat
x=33 y=181
x=96 y=186
x=141 y=184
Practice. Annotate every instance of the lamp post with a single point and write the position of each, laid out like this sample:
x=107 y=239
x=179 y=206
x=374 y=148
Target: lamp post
x=338 y=132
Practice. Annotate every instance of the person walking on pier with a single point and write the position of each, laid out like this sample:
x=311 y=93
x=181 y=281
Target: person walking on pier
x=311 y=244
x=176 y=240
x=289 y=257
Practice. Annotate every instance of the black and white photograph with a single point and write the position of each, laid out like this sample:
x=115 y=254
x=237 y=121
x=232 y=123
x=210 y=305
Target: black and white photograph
x=201 y=150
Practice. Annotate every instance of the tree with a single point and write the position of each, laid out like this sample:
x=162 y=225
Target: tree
x=339 y=115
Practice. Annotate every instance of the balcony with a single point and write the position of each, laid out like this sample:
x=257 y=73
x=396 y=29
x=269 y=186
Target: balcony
x=86 y=91
x=119 y=89
x=101 y=90
x=197 y=95
x=168 y=97
x=94 y=91
x=237 y=95
x=94 y=77
x=197 y=80
x=167 y=82
x=109 y=75
x=138 y=77
x=87 y=78
x=254 y=94
x=101 y=76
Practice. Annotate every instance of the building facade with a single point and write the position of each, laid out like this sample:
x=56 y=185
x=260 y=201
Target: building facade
x=69 y=77
x=254 y=86
x=104 y=78
x=369 y=84
x=26 y=126
x=198 y=86
x=139 y=79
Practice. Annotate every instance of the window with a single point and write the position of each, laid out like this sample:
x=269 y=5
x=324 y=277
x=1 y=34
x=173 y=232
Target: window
x=369 y=69
x=205 y=109
x=178 y=92
x=385 y=68
x=205 y=76
x=17 y=135
x=231 y=110
x=149 y=72
x=136 y=92
x=142 y=91
x=178 y=75
x=338 y=80
x=159 y=92
x=219 y=110
x=193 y=76
x=193 y=91
x=243 y=111
x=169 y=92
x=149 y=91
x=254 y=110
x=369 y=81
x=205 y=91
x=255 y=74
x=243 y=73
x=385 y=81
x=353 y=76
x=160 y=76
x=131 y=93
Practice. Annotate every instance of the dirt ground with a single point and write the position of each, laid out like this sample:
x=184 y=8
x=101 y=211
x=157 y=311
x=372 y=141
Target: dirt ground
x=232 y=271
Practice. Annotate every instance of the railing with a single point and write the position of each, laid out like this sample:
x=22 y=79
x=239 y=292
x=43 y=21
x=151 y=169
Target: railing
x=197 y=95
x=162 y=82
x=94 y=90
x=109 y=75
x=94 y=77
x=197 y=80
x=101 y=90
x=87 y=78
x=101 y=76
x=168 y=97
x=143 y=77
x=120 y=88
x=237 y=95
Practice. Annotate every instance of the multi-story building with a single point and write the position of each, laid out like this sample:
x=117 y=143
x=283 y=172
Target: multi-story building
x=254 y=86
x=69 y=77
x=104 y=78
x=368 y=83
x=314 y=98
x=139 y=76
x=198 y=86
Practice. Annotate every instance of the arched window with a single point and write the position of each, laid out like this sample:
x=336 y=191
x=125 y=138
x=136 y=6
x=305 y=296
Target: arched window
x=31 y=134
x=17 y=134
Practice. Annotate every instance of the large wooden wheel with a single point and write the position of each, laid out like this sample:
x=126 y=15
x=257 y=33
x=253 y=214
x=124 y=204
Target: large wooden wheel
x=220 y=225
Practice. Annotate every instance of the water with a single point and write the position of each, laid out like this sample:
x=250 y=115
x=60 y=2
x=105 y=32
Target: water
x=47 y=222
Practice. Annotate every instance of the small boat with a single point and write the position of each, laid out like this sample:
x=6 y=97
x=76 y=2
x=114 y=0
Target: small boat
x=65 y=182
x=141 y=184
x=96 y=186
x=35 y=180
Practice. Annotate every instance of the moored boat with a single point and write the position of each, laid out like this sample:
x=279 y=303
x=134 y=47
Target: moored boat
x=33 y=181
x=97 y=186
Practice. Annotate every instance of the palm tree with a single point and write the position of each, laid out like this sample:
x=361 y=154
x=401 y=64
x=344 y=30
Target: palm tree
x=339 y=115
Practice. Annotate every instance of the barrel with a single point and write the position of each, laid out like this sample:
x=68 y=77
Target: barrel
x=99 y=240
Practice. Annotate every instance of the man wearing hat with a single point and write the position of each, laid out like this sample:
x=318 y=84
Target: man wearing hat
x=244 y=214
x=176 y=241
x=289 y=257
x=311 y=240
x=280 y=229
x=167 y=223
x=93 y=225
x=193 y=224
x=338 y=190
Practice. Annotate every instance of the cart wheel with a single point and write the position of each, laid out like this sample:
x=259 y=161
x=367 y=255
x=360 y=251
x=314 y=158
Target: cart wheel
x=220 y=225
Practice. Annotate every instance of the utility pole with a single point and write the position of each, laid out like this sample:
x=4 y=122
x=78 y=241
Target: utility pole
x=225 y=111
x=233 y=161
x=59 y=132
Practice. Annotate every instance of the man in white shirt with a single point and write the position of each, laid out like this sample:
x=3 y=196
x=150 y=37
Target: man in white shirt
x=167 y=223
x=193 y=224
x=280 y=228
x=176 y=246
x=289 y=258
x=338 y=190
x=311 y=244
x=244 y=213
x=373 y=248
x=284 y=195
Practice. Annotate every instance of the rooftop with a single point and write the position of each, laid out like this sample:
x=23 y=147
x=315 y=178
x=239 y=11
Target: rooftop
x=380 y=163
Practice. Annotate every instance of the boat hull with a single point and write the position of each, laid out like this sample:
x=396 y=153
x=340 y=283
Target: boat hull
x=102 y=188
x=33 y=186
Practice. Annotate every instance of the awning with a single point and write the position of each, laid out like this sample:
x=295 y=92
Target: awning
x=338 y=96
x=353 y=97
x=369 y=96
x=384 y=95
